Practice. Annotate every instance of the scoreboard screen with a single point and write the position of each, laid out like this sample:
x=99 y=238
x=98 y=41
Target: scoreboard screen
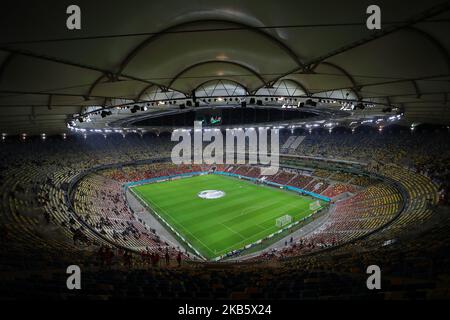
x=209 y=117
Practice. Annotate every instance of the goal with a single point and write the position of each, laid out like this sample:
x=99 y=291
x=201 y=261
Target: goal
x=315 y=205
x=284 y=220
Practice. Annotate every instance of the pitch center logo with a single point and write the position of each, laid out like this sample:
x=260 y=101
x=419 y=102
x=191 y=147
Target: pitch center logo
x=249 y=146
x=211 y=194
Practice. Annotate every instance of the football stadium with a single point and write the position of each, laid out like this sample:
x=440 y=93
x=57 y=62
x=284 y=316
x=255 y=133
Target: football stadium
x=217 y=151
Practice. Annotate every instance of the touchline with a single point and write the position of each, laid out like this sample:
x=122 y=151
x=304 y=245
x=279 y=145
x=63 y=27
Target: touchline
x=237 y=141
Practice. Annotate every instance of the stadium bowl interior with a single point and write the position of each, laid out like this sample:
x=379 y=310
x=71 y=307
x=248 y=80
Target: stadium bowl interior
x=90 y=120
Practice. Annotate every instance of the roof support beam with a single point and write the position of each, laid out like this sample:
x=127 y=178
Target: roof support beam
x=50 y=102
x=439 y=46
x=143 y=91
x=388 y=99
x=93 y=85
x=5 y=63
x=416 y=87
x=213 y=80
x=359 y=87
x=427 y=14
x=15 y=92
x=355 y=88
x=157 y=36
x=193 y=66
x=298 y=83
x=408 y=95
x=70 y=63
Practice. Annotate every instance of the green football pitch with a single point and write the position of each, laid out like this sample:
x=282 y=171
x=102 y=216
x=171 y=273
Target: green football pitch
x=245 y=214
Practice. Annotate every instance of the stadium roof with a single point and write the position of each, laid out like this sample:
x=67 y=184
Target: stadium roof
x=128 y=49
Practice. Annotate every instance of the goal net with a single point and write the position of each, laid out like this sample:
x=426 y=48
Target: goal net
x=284 y=220
x=315 y=205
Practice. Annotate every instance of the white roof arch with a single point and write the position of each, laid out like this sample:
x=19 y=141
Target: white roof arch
x=138 y=48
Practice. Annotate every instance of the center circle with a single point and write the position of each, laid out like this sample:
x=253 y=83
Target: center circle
x=211 y=194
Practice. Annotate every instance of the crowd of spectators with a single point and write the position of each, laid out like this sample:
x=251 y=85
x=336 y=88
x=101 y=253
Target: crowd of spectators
x=426 y=152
